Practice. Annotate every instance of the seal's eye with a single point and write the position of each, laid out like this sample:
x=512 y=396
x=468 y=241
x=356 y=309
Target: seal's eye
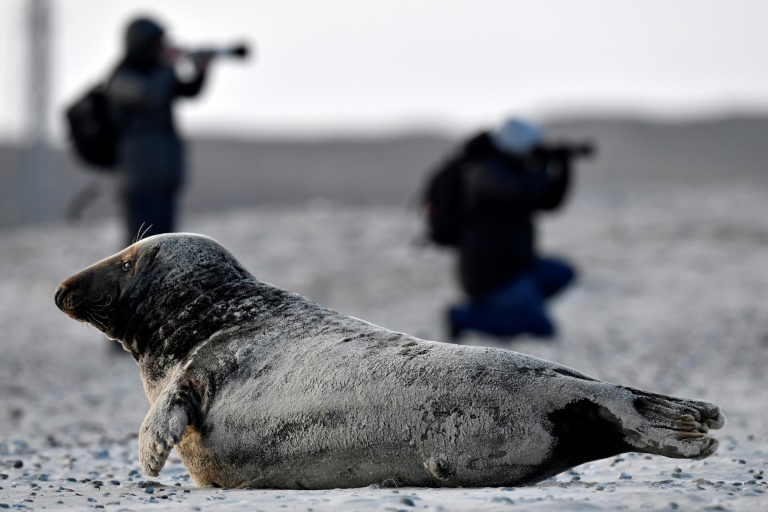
x=127 y=266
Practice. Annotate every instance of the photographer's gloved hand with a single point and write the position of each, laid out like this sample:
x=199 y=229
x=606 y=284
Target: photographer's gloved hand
x=555 y=170
x=202 y=62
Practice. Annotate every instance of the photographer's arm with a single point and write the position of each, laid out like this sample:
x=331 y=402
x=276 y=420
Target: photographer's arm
x=194 y=86
x=558 y=174
x=490 y=186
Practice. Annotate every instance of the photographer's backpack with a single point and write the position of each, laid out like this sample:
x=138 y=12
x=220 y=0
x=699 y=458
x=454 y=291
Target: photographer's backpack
x=94 y=130
x=444 y=204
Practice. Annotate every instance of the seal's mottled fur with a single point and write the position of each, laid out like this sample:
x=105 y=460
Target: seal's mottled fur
x=260 y=387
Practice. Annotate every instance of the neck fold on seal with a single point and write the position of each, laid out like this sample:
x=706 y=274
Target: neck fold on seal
x=160 y=336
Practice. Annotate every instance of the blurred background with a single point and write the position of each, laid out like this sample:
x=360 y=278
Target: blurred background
x=354 y=101
x=307 y=160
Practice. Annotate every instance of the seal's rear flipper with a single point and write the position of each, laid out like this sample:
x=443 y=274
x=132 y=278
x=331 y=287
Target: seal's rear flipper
x=672 y=426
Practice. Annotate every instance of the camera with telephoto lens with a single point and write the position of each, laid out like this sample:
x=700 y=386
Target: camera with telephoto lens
x=565 y=151
x=239 y=51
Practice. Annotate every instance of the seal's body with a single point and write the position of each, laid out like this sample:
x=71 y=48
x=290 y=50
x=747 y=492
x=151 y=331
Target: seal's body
x=260 y=387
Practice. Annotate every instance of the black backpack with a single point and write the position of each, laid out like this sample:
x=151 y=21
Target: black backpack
x=444 y=204
x=94 y=130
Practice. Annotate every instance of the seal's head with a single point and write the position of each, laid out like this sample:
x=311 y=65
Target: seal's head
x=142 y=291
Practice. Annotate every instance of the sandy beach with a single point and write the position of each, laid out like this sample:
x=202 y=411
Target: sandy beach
x=670 y=298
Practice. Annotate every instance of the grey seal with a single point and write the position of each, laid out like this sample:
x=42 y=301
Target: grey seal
x=259 y=387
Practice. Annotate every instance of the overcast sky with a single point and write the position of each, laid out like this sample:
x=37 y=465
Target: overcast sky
x=329 y=66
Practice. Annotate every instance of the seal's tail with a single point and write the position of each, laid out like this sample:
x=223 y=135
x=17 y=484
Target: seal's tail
x=673 y=426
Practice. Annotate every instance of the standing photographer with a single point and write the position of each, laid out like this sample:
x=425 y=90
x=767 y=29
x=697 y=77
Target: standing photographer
x=506 y=177
x=143 y=89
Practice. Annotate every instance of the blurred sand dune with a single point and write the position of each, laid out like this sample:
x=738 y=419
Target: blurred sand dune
x=228 y=172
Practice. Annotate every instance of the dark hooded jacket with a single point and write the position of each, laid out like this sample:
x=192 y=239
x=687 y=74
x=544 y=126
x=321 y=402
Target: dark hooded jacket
x=503 y=192
x=143 y=89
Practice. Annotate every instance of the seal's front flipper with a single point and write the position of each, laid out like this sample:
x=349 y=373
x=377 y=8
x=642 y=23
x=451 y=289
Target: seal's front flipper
x=674 y=427
x=161 y=431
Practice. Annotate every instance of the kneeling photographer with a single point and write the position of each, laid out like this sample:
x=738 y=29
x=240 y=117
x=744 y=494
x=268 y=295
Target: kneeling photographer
x=505 y=177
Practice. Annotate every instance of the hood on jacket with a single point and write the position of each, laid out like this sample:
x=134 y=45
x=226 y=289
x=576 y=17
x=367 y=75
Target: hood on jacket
x=143 y=43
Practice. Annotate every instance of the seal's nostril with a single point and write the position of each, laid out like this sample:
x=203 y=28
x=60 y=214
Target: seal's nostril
x=61 y=291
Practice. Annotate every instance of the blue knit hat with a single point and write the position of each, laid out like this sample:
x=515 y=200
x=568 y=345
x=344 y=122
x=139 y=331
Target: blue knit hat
x=517 y=136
